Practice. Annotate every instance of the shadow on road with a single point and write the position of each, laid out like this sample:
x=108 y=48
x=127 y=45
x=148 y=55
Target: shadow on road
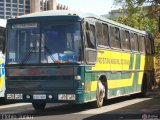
x=147 y=109
x=71 y=109
x=121 y=113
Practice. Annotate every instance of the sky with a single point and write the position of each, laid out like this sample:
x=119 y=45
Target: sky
x=99 y=7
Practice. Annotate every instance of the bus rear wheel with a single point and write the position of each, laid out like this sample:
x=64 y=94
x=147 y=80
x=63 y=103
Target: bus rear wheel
x=100 y=94
x=144 y=87
x=39 y=106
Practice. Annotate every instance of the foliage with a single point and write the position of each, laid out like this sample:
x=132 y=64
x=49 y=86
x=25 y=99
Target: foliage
x=140 y=14
x=143 y=15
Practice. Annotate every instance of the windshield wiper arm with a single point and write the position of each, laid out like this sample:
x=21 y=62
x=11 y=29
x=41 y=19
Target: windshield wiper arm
x=49 y=52
x=27 y=56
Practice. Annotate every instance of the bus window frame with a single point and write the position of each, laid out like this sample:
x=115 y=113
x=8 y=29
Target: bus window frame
x=150 y=52
x=104 y=46
x=139 y=38
x=101 y=32
x=150 y=36
x=95 y=39
x=124 y=30
x=86 y=48
x=114 y=48
x=152 y=47
x=105 y=24
x=135 y=51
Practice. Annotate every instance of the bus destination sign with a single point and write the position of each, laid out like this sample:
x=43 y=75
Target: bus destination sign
x=25 y=25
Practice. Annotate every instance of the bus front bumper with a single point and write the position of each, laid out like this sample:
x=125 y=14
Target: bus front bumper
x=47 y=97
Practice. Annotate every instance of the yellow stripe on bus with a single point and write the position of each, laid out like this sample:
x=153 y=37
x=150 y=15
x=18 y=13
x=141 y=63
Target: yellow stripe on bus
x=140 y=78
x=105 y=63
x=122 y=82
x=1 y=82
x=93 y=85
x=112 y=60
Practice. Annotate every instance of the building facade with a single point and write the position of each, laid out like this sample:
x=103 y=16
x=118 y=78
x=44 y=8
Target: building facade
x=115 y=14
x=13 y=8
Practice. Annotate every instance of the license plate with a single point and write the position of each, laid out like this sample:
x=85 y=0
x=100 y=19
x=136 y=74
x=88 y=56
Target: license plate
x=39 y=97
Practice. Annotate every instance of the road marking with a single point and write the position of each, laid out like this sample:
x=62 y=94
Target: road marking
x=14 y=105
x=112 y=107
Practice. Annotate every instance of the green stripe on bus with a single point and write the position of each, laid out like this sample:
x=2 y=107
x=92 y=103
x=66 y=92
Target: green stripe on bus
x=138 y=59
x=131 y=61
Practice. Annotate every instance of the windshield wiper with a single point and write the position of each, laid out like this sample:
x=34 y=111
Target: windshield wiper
x=27 y=56
x=49 y=52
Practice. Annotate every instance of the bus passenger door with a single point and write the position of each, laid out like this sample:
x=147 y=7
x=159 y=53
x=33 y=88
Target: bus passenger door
x=90 y=60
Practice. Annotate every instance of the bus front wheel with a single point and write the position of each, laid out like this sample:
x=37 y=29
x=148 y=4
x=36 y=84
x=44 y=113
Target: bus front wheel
x=144 y=87
x=39 y=106
x=100 y=94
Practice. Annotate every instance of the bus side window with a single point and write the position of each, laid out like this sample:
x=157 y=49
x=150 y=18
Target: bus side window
x=125 y=39
x=105 y=35
x=150 y=37
x=90 y=36
x=114 y=37
x=148 y=46
x=141 y=44
x=99 y=33
x=134 y=41
x=152 y=47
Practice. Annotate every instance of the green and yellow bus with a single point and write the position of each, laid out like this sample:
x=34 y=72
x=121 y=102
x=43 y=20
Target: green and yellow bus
x=72 y=57
x=2 y=59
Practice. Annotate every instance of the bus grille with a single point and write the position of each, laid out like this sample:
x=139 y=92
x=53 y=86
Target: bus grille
x=51 y=82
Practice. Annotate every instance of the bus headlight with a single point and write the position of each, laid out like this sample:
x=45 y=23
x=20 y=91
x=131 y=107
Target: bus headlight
x=71 y=97
x=10 y=96
x=18 y=96
x=77 y=77
x=62 y=97
x=28 y=96
x=50 y=96
x=66 y=97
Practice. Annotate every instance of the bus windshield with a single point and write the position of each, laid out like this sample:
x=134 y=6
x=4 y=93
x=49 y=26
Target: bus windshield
x=44 y=43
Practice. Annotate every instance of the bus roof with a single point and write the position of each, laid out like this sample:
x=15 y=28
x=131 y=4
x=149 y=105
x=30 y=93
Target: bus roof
x=3 y=23
x=81 y=15
x=58 y=13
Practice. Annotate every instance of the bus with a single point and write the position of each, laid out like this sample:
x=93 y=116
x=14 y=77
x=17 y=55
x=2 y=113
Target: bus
x=2 y=58
x=73 y=57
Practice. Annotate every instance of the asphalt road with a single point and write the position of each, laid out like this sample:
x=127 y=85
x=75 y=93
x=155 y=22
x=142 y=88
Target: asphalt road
x=130 y=107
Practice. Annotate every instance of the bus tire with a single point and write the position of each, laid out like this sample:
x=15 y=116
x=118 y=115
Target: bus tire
x=39 y=106
x=144 y=87
x=100 y=94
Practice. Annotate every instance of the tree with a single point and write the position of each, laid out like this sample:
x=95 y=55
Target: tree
x=143 y=15
x=133 y=6
x=140 y=14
